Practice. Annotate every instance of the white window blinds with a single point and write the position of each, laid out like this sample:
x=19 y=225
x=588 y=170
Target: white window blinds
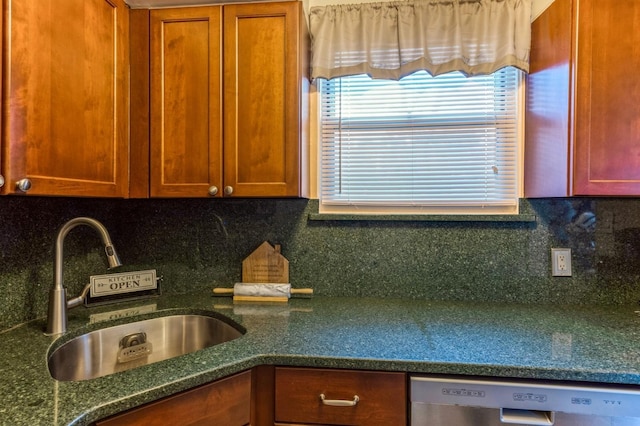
x=420 y=141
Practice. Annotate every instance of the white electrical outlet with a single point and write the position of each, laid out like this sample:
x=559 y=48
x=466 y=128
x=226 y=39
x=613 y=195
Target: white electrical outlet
x=561 y=262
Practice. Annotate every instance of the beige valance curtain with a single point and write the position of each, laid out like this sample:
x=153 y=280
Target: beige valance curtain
x=391 y=40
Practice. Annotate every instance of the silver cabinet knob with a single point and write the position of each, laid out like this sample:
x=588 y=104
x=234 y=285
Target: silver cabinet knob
x=23 y=185
x=228 y=190
x=213 y=190
x=1 y=181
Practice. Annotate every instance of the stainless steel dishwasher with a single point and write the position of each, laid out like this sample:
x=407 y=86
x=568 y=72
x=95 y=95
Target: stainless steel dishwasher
x=449 y=401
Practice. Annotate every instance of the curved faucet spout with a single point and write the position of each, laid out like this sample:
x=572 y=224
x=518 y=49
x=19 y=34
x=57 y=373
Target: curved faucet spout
x=58 y=305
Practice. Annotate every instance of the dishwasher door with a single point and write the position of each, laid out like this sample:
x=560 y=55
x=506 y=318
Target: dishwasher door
x=447 y=401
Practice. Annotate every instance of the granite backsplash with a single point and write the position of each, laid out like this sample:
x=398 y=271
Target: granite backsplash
x=198 y=244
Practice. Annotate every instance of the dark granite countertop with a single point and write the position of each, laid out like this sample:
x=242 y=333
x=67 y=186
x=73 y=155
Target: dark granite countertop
x=594 y=344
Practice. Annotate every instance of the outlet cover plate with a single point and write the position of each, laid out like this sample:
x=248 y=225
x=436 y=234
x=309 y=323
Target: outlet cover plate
x=561 y=262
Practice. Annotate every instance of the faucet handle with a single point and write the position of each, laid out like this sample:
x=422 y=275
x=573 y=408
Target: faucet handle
x=77 y=301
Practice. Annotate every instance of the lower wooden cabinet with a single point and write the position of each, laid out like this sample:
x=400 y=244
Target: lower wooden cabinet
x=281 y=396
x=339 y=397
x=224 y=402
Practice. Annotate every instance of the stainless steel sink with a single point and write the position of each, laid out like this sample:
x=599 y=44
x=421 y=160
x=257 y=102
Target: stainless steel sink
x=122 y=347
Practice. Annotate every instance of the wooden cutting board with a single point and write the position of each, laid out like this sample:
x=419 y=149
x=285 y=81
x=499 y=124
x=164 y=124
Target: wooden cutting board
x=265 y=265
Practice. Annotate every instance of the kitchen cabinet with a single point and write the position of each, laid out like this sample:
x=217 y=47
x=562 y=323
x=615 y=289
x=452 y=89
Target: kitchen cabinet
x=265 y=99
x=229 y=95
x=186 y=101
x=339 y=397
x=268 y=395
x=65 y=98
x=582 y=115
x=224 y=402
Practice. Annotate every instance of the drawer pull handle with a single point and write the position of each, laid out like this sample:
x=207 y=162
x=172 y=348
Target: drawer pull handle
x=339 y=402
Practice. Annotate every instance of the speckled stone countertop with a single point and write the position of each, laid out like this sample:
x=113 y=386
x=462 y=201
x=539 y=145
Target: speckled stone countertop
x=595 y=344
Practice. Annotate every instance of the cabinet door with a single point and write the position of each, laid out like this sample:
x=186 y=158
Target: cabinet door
x=264 y=50
x=607 y=117
x=582 y=118
x=65 y=127
x=186 y=127
x=224 y=402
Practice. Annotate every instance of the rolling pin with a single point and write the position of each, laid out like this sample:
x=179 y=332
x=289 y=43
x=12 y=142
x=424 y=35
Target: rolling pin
x=267 y=292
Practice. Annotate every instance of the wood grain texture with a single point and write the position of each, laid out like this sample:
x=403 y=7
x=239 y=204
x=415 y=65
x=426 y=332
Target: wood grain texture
x=583 y=119
x=261 y=299
x=265 y=265
x=262 y=95
x=186 y=130
x=382 y=397
x=139 y=36
x=607 y=149
x=548 y=140
x=2 y=100
x=223 y=402
x=66 y=97
x=262 y=395
x=304 y=104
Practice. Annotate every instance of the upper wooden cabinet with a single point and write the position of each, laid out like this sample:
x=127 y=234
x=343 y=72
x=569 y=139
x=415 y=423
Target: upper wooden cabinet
x=229 y=101
x=186 y=101
x=583 y=118
x=65 y=98
x=265 y=99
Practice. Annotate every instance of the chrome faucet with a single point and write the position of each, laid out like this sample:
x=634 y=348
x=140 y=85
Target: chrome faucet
x=58 y=303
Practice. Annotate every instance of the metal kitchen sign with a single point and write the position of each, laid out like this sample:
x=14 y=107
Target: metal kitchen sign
x=125 y=282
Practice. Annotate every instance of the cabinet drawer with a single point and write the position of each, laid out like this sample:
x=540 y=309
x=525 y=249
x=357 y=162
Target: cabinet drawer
x=225 y=401
x=381 y=397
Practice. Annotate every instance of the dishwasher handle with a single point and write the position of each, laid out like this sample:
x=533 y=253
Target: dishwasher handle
x=526 y=417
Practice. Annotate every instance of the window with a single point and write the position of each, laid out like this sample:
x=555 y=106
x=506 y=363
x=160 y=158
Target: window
x=446 y=144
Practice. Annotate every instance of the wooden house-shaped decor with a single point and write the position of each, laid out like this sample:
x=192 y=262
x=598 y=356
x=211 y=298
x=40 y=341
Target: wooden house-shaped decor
x=265 y=265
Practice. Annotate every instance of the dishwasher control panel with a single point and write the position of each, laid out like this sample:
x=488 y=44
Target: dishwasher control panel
x=516 y=395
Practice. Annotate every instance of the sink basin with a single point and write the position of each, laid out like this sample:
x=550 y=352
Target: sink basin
x=123 y=347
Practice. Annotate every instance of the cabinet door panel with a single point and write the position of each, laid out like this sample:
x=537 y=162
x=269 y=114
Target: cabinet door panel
x=224 y=402
x=66 y=123
x=261 y=118
x=607 y=124
x=262 y=99
x=185 y=101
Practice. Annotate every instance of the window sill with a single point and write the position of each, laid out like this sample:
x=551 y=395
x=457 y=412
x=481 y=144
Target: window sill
x=526 y=215
x=424 y=218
